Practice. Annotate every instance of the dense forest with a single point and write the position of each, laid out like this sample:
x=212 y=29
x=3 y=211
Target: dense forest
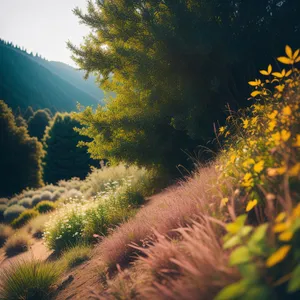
x=28 y=80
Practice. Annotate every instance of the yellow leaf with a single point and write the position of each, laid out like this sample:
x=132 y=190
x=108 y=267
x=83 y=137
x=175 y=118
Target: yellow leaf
x=269 y=69
x=280 y=217
x=248 y=162
x=258 y=167
x=288 y=51
x=285 y=135
x=285 y=236
x=297 y=59
x=263 y=72
x=278 y=256
x=295 y=170
x=285 y=60
x=273 y=115
x=255 y=93
x=288 y=73
x=222 y=129
x=277 y=74
x=280 y=227
x=296 y=53
x=287 y=111
x=251 y=205
x=280 y=87
x=224 y=201
x=296 y=211
x=245 y=123
x=272 y=125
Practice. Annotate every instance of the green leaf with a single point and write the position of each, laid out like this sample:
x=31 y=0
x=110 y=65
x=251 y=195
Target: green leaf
x=249 y=271
x=239 y=256
x=234 y=241
x=294 y=283
x=233 y=291
x=245 y=230
x=257 y=292
x=259 y=233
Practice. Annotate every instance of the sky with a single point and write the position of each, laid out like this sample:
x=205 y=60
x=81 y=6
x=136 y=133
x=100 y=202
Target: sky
x=43 y=26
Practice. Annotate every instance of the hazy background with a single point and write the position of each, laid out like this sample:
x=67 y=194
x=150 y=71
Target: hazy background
x=42 y=26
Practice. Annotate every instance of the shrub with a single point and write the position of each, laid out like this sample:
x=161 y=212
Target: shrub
x=76 y=255
x=36 y=226
x=45 y=206
x=5 y=232
x=12 y=212
x=46 y=195
x=56 y=195
x=26 y=202
x=16 y=244
x=24 y=217
x=30 y=280
x=13 y=201
x=3 y=207
x=3 y=201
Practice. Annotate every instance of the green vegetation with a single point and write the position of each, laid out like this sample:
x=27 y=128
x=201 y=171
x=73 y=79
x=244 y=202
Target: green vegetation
x=5 y=232
x=24 y=218
x=30 y=280
x=63 y=158
x=76 y=255
x=12 y=212
x=19 y=154
x=38 y=123
x=45 y=207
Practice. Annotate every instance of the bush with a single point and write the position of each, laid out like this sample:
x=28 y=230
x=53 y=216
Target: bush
x=3 y=201
x=24 y=217
x=13 y=201
x=45 y=206
x=76 y=255
x=3 y=208
x=36 y=226
x=30 y=280
x=12 y=212
x=17 y=244
x=46 y=195
x=26 y=202
x=5 y=232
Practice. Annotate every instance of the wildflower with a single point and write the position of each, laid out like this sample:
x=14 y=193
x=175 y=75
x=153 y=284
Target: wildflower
x=248 y=180
x=287 y=111
x=285 y=135
x=273 y=115
x=224 y=201
x=258 y=167
x=251 y=205
x=278 y=256
x=222 y=129
x=257 y=82
x=245 y=123
x=272 y=125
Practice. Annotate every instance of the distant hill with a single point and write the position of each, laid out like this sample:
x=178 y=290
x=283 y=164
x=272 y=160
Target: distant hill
x=28 y=80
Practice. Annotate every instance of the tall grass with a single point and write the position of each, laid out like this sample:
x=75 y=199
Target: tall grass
x=28 y=280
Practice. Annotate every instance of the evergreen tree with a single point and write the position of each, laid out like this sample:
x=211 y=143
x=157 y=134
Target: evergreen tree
x=63 y=158
x=28 y=113
x=173 y=66
x=20 y=156
x=38 y=123
x=20 y=122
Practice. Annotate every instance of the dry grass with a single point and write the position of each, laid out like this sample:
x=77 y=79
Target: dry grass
x=5 y=232
x=36 y=226
x=174 y=208
x=17 y=244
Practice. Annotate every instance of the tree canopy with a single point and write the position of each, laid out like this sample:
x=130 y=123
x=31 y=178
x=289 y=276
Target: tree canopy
x=173 y=65
x=38 y=123
x=20 y=156
x=63 y=158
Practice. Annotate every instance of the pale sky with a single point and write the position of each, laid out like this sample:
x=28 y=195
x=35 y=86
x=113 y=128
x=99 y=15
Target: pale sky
x=42 y=26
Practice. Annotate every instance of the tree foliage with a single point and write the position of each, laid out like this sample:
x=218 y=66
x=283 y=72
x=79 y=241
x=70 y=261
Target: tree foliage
x=20 y=156
x=63 y=158
x=174 y=65
x=38 y=123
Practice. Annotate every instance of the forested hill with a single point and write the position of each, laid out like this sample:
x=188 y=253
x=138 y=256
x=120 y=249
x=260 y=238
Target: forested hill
x=28 y=80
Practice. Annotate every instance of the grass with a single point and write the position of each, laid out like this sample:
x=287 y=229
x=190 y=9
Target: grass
x=24 y=218
x=76 y=255
x=28 y=280
x=5 y=232
x=17 y=244
x=36 y=226
x=45 y=207
x=12 y=212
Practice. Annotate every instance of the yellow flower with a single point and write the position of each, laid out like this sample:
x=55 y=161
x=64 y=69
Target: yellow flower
x=276 y=138
x=278 y=256
x=254 y=121
x=232 y=158
x=272 y=125
x=227 y=133
x=255 y=83
x=268 y=72
x=276 y=171
x=222 y=129
x=280 y=217
x=287 y=111
x=248 y=180
x=251 y=205
x=280 y=88
x=273 y=115
x=297 y=143
x=285 y=236
x=258 y=167
x=247 y=162
x=224 y=201
x=280 y=227
x=245 y=123
x=285 y=135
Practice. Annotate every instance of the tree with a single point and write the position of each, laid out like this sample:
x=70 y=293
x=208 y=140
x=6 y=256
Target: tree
x=63 y=158
x=28 y=113
x=20 y=122
x=173 y=66
x=38 y=123
x=20 y=156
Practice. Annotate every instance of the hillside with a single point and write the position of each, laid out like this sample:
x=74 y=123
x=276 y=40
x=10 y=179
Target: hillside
x=26 y=80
